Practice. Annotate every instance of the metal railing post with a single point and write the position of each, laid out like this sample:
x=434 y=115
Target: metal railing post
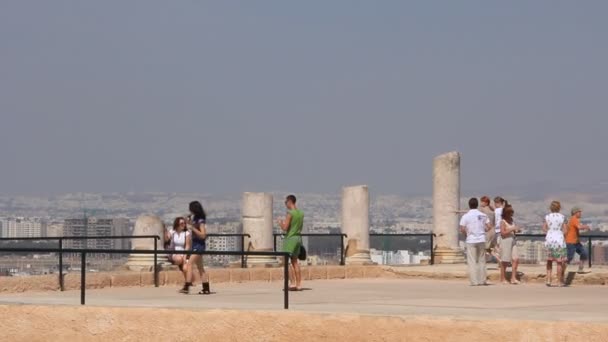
x=590 y=250
x=61 y=287
x=243 y=250
x=286 y=281
x=274 y=237
x=342 y=252
x=83 y=274
x=432 y=250
x=155 y=262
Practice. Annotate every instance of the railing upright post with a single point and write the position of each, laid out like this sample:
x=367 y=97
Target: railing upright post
x=61 y=287
x=590 y=250
x=432 y=251
x=155 y=262
x=286 y=282
x=342 y=250
x=83 y=274
x=274 y=244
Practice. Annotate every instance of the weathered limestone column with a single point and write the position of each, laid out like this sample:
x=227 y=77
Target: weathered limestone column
x=257 y=222
x=146 y=225
x=446 y=204
x=355 y=224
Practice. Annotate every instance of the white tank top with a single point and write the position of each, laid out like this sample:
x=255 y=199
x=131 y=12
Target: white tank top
x=178 y=240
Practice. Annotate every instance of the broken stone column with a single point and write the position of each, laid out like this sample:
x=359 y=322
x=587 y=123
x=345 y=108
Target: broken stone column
x=446 y=205
x=355 y=224
x=257 y=222
x=146 y=225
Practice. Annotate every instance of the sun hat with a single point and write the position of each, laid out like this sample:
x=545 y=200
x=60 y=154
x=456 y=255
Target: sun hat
x=575 y=210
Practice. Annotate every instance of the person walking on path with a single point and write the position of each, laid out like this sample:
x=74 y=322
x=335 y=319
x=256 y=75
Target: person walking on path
x=573 y=243
x=555 y=227
x=292 y=226
x=197 y=222
x=508 y=246
x=474 y=224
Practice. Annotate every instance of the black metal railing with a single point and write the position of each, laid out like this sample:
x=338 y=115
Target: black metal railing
x=341 y=236
x=83 y=252
x=427 y=235
x=242 y=236
x=581 y=237
x=61 y=251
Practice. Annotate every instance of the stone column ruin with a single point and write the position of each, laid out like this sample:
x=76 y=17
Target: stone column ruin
x=257 y=222
x=355 y=224
x=446 y=205
x=146 y=225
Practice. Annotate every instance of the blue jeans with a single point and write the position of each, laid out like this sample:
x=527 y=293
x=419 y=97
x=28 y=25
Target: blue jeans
x=578 y=249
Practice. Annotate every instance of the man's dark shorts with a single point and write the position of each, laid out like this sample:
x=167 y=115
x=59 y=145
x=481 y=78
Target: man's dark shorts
x=578 y=249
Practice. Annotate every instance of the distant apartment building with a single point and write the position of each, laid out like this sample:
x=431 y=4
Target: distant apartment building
x=97 y=227
x=400 y=257
x=532 y=252
x=19 y=227
x=600 y=254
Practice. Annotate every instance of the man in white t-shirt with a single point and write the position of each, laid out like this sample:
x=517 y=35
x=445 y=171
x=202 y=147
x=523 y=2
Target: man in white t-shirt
x=475 y=224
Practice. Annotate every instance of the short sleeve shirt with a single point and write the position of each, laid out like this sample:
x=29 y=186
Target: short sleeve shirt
x=197 y=223
x=573 y=234
x=475 y=223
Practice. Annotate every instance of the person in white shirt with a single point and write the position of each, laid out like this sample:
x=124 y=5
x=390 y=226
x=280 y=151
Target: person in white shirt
x=179 y=239
x=474 y=224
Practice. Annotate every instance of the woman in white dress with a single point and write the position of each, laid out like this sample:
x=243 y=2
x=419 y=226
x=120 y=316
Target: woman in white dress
x=555 y=227
x=179 y=239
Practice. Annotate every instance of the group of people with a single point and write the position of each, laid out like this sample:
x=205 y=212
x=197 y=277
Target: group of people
x=189 y=234
x=492 y=231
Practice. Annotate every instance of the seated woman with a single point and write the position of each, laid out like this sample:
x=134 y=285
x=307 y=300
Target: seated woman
x=179 y=239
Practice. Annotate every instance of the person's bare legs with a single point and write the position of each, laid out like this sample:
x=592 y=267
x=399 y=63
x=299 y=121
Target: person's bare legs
x=203 y=276
x=292 y=272
x=514 y=264
x=295 y=274
x=561 y=269
x=180 y=261
x=503 y=271
x=550 y=270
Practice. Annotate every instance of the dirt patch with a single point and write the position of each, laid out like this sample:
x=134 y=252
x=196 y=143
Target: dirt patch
x=65 y=323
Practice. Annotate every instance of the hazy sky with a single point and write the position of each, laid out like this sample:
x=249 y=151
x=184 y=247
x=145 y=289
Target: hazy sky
x=309 y=96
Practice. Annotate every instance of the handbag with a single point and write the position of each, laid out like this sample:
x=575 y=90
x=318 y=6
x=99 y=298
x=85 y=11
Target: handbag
x=302 y=256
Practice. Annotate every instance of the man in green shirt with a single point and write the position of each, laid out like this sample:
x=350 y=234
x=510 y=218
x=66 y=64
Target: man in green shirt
x=292 y=226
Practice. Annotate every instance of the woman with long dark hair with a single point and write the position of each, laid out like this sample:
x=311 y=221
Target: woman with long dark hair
x=197 y=221
x=508 y=247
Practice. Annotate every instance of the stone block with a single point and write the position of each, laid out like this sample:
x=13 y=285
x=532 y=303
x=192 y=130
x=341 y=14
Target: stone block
x=276 y=274
x=126 y=279
x=336 y=272
x=318 y=272
x=374 y=272
x=93 y=281
x=239 y=275
x=305 y=273
x=259 y=274
x=30 y=283
x=147 y=279
x=175 y=277
x=355 y=272
x=219 y=275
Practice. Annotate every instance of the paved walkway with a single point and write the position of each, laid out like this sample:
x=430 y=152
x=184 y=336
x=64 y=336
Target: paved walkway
x=399 y=297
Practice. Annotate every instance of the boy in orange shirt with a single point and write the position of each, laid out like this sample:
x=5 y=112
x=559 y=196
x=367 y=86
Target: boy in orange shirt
x=573 y=243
